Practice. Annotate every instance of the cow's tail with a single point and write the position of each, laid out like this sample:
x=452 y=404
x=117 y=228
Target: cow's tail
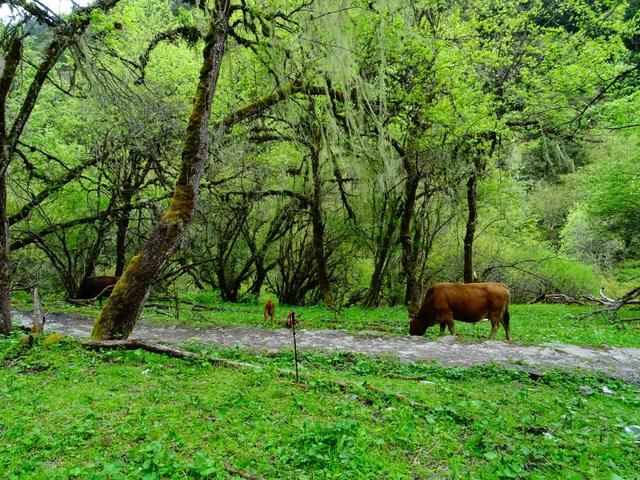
x=505 y=322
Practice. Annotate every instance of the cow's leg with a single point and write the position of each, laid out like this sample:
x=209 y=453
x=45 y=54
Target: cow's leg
x=452 y=326
x=447 y=320
x=505 y=323
x=494 y=317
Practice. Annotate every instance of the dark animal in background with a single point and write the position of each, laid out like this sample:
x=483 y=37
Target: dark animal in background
x=269 y=310
x=96 y=287
x=291 y=320
x=466 y=302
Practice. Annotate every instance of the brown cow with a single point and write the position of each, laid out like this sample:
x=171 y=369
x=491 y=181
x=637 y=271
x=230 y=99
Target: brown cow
x=466 y=302
x=269 y=310
x=292 y=321
x=96 y=287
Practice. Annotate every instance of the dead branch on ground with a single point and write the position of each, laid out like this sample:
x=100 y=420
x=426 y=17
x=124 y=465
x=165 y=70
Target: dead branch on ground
x=136 y=344
x=240 y=473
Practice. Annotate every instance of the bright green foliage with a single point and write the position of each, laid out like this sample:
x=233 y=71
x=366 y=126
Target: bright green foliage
x=614 y=198
x=424 y=80
x=69 y=413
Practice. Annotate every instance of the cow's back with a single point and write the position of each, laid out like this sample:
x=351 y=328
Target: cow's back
x=468 y=302
x=90 y=287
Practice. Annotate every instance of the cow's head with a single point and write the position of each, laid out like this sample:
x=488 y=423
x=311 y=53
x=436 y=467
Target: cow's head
x=416 y=327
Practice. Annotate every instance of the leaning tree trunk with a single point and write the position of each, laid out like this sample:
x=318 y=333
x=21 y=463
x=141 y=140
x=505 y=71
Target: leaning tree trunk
x=130 y=293
x=471 y=227
x=408 y=258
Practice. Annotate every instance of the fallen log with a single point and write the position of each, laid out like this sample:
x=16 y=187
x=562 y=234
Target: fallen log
x=563 y=299
x=613 y=306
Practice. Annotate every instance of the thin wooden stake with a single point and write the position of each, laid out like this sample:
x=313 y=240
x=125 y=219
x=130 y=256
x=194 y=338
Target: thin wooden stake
x=295 y=347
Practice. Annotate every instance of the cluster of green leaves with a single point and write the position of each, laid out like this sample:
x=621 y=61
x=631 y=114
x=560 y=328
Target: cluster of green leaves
x=70 y=413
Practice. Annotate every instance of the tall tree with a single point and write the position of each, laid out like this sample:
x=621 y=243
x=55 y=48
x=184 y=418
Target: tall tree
x=64 y=32
x=130 y=293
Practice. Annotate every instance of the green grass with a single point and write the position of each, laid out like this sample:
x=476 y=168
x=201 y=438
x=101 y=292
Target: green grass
x=70 y=413
x=531 y=324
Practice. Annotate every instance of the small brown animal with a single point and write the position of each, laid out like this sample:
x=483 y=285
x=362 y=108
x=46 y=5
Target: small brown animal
x=269 y=310
x=92 y=287
x=466 y=302
x=291 y=320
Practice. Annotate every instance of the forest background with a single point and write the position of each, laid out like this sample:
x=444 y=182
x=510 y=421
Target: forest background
x=359 y=151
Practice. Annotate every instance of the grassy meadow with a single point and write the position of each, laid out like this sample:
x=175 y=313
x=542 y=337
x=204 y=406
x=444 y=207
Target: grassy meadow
x=66 y=412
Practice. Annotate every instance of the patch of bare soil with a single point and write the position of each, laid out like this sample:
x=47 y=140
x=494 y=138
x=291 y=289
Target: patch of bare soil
x=623 y=363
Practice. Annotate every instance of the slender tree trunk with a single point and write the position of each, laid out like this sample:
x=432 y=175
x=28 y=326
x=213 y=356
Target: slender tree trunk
x=130 y=293
x=121 y=234
x=471 y=227
x=5 y=264
x=94 y=251
x=317 y=224
x=10 y=65
x=382 y=258
x=408 y=259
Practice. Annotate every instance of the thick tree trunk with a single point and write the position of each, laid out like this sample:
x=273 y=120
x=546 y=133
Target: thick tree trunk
x=130 y=293
x=261 y=277
x=471 y=227
x=408 y=258
x=317 y=224
x=5 y=264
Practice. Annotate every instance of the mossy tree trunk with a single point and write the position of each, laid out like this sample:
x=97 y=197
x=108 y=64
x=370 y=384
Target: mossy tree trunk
x=11 y=61
x=408 y=257
x=130 y=293
x=5 y=265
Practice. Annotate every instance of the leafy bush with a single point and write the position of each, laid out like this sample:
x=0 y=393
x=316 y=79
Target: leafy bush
x=584 y=240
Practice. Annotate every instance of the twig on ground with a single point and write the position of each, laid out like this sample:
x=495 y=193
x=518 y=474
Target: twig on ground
x=240 y=473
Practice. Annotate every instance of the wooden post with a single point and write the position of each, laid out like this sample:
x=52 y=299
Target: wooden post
x=38 y=317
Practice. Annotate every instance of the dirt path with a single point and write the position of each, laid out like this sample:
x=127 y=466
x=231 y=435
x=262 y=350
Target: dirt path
x=623 y=363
